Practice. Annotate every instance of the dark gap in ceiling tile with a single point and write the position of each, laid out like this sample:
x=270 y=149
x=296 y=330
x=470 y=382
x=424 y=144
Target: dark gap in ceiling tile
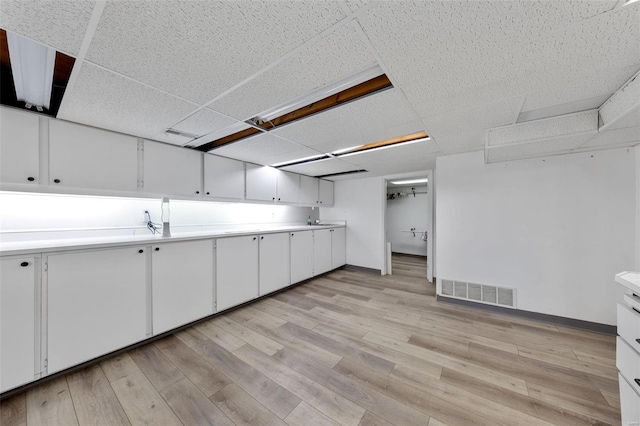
x=61 y=73
x=356 y=92
x=295 y=163
x=350 y=172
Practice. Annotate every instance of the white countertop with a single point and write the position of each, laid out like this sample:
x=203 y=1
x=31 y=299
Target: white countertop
x=631 y=280
x=64 y=244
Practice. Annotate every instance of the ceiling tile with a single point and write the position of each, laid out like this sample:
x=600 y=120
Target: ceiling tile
x=534 y=149
x=204 y=122
x=322 y=167
x=451 y=55
x=375 y=118
x=337 y=55
x=464 y=130
x=397 y=159
x=198 y=49
x=59 y=24
x=264 y=149
x=103 y=99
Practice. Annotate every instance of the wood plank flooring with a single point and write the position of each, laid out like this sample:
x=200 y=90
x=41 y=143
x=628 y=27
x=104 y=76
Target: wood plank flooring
x=349 y=348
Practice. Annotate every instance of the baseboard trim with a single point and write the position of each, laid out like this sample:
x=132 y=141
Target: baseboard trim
x=362 y=269
x=551 y=319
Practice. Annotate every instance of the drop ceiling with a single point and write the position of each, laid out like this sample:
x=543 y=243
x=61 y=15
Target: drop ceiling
x=458 y=69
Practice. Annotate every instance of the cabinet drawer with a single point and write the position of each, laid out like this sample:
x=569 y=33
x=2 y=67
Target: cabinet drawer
x=629 y=403
x=628 y=362
x=629 y=326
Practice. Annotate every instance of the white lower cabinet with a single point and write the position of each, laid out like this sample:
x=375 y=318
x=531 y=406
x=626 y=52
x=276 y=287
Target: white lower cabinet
x=338 y=247
x=629 y=403
x=301 y=256
x=182 y=277
x=274 y=262
x=321 y=251
x=236 y=271
x=17 y=322
x=96 y=303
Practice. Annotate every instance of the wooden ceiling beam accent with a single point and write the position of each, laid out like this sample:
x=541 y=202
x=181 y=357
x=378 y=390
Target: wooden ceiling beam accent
x=387 y=142
x=363 y=89
x=234 y=137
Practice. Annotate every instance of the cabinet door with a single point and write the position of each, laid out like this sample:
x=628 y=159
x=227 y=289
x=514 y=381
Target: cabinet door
x=338 y=247
x=261 y=183
x=321 y=251
x=629 y=403
x=308 y=190
x=274 y=262
x=19 y=146
x=301 y=256
x=288 y=187
x=85 y=157
x=325 y=192
x=223 y=177
x=171 y=170
x=17 y=322
x=96 y=304
x=236 y=271
x=182 y=283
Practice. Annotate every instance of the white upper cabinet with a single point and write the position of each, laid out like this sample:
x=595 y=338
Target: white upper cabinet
x=223 y=177
x=325 y=192
x=172 y=170
x=19 y=147
x=308 y=190
x=17 y=321
x=288 y=187
x=261 y=182
x=86 y=157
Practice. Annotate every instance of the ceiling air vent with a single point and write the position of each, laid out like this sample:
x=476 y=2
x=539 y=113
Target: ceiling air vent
x=481 y=293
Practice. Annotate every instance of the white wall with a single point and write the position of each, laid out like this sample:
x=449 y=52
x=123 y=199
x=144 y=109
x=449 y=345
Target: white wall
x=637 y=149
x=404 y=213
x=360 y=202
x=557 y=229
x=36 y=216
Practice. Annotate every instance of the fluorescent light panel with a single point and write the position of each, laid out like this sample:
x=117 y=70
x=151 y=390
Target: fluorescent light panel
x=300 y=160
x=409 y=182
x=32 y=67
x=384 y=147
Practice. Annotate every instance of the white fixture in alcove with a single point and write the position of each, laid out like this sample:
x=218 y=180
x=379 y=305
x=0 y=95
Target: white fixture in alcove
x=32 y=67
x=166 y=231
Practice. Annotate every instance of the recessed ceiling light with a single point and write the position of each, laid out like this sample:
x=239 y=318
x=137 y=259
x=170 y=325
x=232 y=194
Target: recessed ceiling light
x=629 y=2
x=384 y=147
x=409 y=182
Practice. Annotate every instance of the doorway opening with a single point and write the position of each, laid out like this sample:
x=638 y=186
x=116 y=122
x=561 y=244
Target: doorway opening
x=408 y=223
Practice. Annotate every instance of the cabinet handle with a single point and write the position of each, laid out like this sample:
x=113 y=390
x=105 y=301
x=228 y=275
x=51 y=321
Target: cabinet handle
x=207 y=192
x=278 y=199
x=197 y=192
x=273 y=198
x=262 y=238
x=56 y=181
x=24 y=264
x=31 y=178
x=638 y=340
x=157 y=248
x=637 y=381
x=140 y=251
x=292 y=235
x=254 y=238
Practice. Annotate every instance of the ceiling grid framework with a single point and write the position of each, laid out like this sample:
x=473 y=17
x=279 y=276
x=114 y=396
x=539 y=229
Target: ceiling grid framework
x=457 y=68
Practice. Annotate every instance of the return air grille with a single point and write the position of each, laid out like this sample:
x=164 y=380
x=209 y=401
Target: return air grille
x=482 y=293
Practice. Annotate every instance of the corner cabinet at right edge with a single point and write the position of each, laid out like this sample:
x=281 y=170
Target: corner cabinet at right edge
x=628 y=348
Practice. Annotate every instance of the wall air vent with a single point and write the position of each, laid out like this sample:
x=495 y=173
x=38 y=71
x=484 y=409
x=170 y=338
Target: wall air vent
x=481 y=293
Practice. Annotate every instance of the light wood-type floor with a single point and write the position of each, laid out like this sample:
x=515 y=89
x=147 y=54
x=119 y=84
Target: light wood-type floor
x=349 y=348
